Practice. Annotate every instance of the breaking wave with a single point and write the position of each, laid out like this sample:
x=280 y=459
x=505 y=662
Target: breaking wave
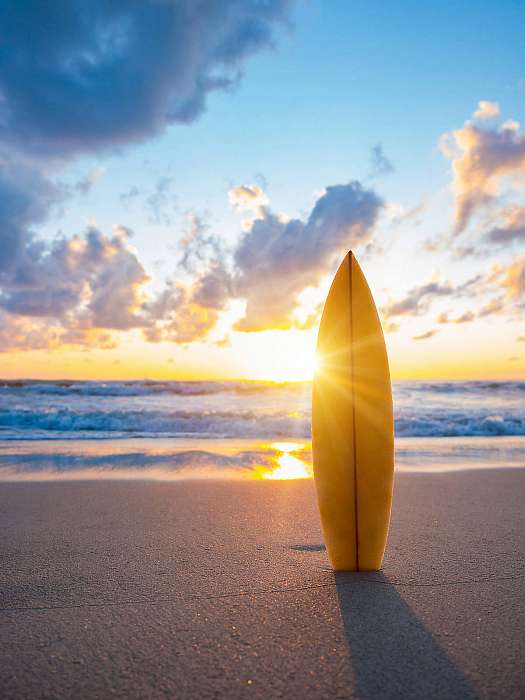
x=36 y=410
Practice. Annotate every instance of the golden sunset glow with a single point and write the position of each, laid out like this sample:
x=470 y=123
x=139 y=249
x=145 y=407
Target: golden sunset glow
x=279 y=356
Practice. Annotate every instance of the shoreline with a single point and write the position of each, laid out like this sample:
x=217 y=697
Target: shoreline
x=176 y=459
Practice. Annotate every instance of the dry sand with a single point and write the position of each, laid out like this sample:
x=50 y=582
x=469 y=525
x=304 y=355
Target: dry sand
x=223 y=590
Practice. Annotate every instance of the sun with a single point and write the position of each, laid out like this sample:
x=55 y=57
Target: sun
x=279 y=356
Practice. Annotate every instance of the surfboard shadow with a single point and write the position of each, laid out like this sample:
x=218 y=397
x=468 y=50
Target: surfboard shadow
x=308 y=547
x=392 y=653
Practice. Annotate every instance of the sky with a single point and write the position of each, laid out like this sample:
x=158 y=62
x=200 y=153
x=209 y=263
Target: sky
x=179 y=181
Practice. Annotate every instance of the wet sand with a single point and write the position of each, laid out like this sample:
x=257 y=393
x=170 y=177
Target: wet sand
x=217 y=589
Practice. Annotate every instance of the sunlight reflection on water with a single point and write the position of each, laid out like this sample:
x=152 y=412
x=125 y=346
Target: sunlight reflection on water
x=288 y=466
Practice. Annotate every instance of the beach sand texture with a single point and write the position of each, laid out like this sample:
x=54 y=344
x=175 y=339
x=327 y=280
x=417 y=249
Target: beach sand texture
x=222 y=589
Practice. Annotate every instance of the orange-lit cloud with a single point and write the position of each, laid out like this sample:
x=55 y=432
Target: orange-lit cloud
x=511 y=226
x=486 y=110
x=481 y=159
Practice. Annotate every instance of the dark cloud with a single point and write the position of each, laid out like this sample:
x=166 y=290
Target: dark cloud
x=26 y=199
x=79 y=76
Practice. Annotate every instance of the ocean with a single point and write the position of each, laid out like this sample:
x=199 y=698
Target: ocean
x=175 y=429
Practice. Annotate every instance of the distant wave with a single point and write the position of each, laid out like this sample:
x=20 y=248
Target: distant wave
x=143 y=388
x=463 y=387
x=36 y=410
x=203 y=388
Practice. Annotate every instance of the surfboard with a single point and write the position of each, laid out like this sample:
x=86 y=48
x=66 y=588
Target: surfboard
x=352 y=425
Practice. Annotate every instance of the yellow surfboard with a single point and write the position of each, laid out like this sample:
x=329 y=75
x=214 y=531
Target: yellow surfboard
x=352 y=425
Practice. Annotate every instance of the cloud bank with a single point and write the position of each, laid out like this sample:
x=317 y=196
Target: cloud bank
x=81 y=289
x=274 y=260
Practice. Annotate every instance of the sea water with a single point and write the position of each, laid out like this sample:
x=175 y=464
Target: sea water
x=153 y=429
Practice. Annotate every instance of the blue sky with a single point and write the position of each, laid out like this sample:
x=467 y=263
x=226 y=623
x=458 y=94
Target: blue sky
x=340 y=78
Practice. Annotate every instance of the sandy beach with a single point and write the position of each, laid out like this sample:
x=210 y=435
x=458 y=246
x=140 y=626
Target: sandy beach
x=222 y=589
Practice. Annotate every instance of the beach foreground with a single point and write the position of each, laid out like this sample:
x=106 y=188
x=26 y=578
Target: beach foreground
x=223 y=589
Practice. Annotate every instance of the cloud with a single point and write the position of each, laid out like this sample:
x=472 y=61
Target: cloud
x=26 y=200
x=116 y=284
x=85 y=184
x=127 y=197
x=161 y=202
x=494 y=307
x=25 y=334
x=512 y=279
x=425 y=336
x=82 y=77
x=466 y=317
x=84 y=288
x=486 y=110
x=66 y=284
x=511 y=228
x=187 y=310
x=80 y=283
x=481 y=159
x=505 y=284
x=379 y=163
x=178 y=317
x=390 y=326
x=417 y=300
x=250 y=197
x=277 y=258
x=271 y=264
x=20 y=333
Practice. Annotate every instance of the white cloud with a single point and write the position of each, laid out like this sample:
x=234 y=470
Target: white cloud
x=486 y=110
